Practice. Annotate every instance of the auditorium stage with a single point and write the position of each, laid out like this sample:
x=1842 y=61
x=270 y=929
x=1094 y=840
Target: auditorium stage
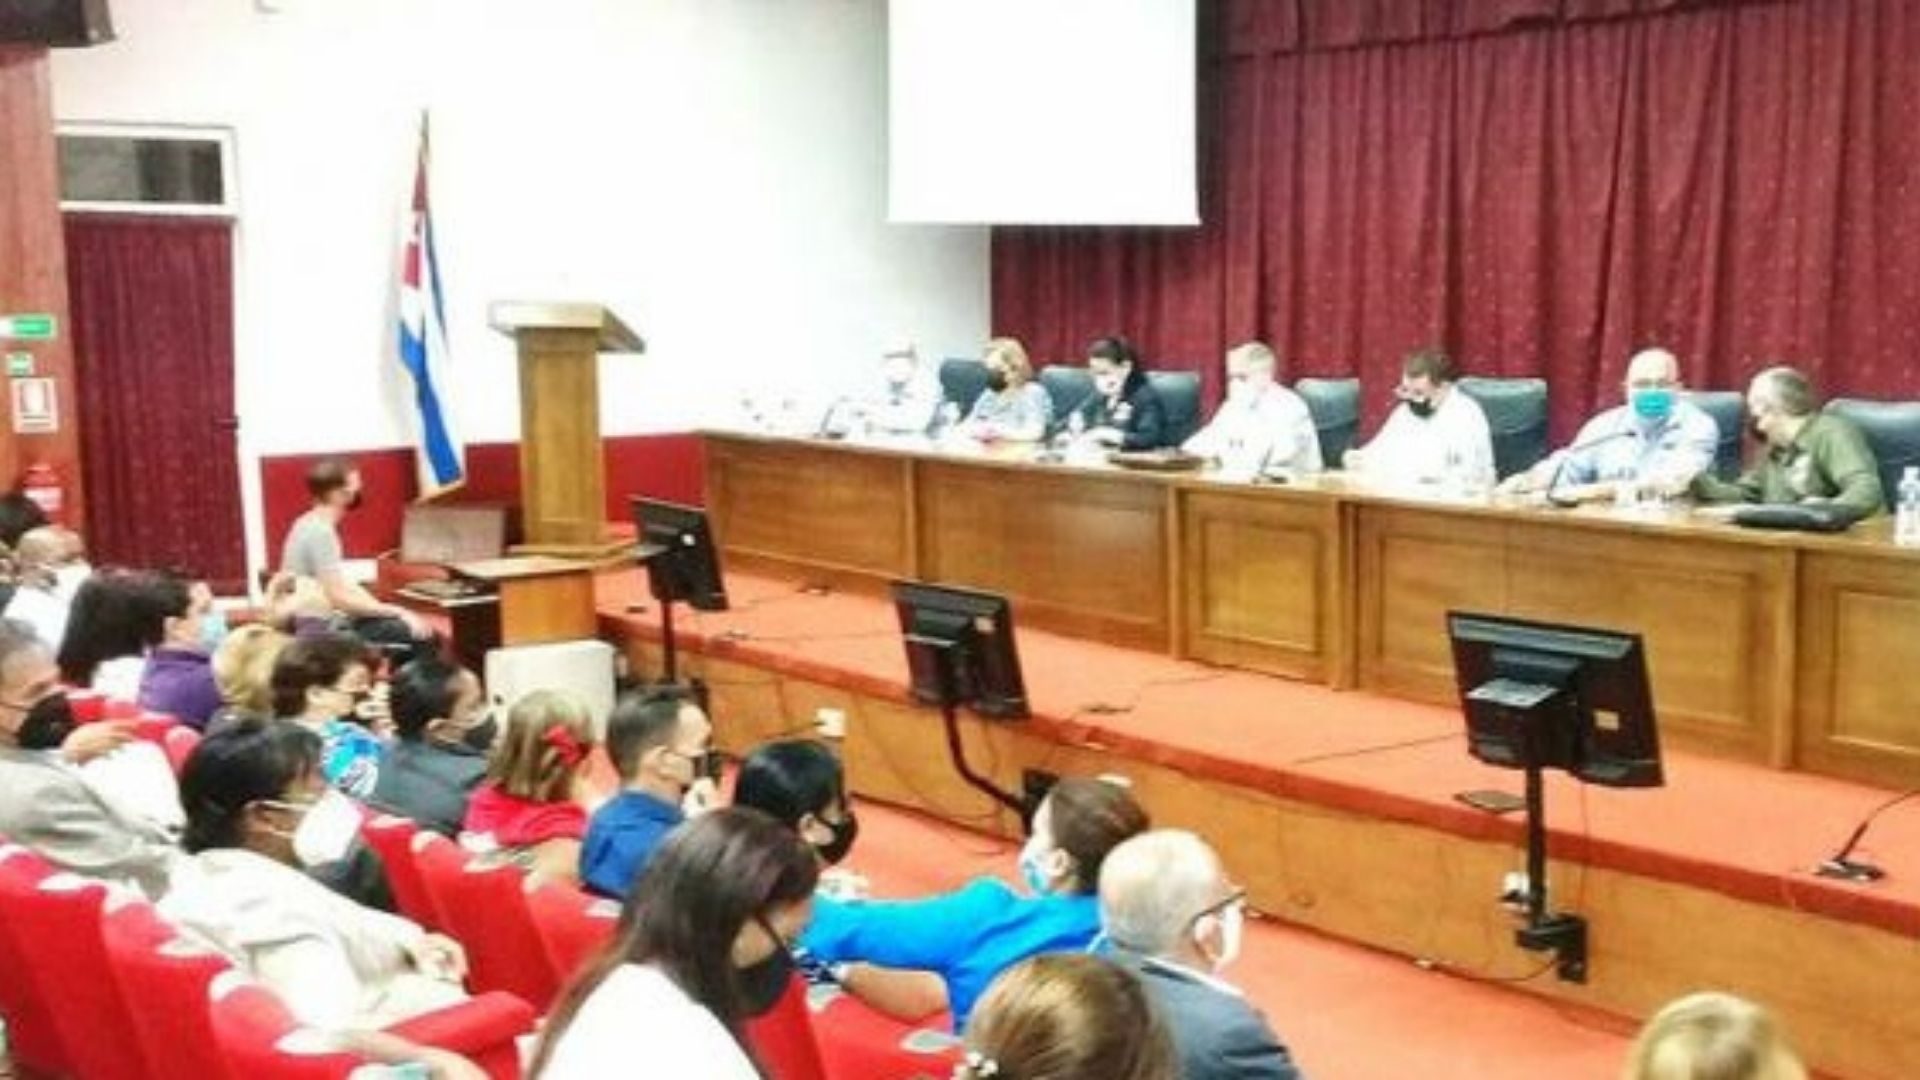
x=1336 y=809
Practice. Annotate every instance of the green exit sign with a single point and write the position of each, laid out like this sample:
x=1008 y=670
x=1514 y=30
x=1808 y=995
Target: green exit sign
x=27 y=327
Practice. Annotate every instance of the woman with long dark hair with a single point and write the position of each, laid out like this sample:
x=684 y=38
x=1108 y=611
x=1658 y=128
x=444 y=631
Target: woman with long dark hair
x=702 y=946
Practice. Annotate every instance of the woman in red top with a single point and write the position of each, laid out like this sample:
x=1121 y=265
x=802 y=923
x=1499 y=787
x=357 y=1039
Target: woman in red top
x=532 y=810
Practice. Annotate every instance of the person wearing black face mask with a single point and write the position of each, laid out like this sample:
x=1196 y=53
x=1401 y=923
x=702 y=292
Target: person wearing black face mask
x=661 y=745
x=683 y=987
x=44 y=804
x=1014 y=408
x=799 y=783
x=443 y=734
x=313 y=551
x=1436 y=434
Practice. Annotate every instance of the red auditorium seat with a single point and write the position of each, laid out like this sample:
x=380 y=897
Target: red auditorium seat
x=167 y=979
x=573 y=926
x=57 y=930
x=257 y=1036
x=487 y=911
x=393 y=838
x=35 y=1041
x=858 y=1042
x=179 y=742
x=783 y=1039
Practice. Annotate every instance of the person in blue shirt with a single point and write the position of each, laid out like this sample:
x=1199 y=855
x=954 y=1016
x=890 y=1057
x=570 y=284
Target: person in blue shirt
x=659 y=741
x=1657 y=441
x=969 y=936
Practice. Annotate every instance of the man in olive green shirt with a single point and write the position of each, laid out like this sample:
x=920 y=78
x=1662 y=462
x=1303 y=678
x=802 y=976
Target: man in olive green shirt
x=1808 y=456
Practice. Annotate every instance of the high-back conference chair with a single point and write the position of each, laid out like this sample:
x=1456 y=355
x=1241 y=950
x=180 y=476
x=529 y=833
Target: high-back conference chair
x=1517 y=414
x=1334 y=405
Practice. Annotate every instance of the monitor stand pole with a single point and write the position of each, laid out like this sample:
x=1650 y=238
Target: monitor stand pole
x=1562 y=934
x=950 y=716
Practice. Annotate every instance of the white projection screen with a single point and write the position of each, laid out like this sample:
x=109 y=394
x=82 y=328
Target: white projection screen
x=1017 y=112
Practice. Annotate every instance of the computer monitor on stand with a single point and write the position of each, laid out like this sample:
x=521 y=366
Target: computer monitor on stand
x=961 y=652
x=1537 y=697
x=683 y=566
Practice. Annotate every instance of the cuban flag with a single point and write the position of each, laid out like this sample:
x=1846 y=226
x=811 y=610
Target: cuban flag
x=423 y=342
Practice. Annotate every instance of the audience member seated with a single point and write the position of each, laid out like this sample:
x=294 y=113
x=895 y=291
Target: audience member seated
x=1435 y=433
x=1712 y=1036
x=50 y=563
x=255 y=803
x=660 y=742
x=676 y=988
x=904 y=402
x=1656 y=442
x=1014 y=407
x=1124 y=411
x=18 y=516
x=313 y=550
x=1172 y=918
x=1261 y=425
x=1807 y=456
x=178 y=678
x=1068 y=1017
x=969 y=936
x=243 y=671
x=325 y=683
x=45 y=804
x=442 y=735
x=531 y=810
x=800 y=784
x=117 y=615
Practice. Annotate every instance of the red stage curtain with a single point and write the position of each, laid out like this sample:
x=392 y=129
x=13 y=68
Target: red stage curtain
x=1740 y=182
x=152 y=302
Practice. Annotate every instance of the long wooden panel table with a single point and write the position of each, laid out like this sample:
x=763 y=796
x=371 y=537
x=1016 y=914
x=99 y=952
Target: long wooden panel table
x=1792 y=649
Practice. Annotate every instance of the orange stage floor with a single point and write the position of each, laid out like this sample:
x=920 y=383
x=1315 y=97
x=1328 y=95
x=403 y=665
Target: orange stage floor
x=1746 y=831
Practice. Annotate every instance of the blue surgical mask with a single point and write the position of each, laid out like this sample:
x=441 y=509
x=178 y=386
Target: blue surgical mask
x=1653 y=403
x=213 y=630
x=1031 y=871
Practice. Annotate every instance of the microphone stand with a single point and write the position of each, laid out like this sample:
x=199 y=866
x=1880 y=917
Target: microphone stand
x=1566 y=456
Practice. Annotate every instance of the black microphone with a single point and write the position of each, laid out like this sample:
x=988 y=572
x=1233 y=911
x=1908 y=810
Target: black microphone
x=1842 y=865
x=1560 y=470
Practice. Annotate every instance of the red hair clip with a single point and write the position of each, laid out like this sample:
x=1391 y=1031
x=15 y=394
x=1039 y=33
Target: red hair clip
x=566 y=744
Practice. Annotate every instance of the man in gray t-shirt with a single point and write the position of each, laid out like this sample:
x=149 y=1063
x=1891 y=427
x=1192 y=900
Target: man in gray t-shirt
x=313 y=551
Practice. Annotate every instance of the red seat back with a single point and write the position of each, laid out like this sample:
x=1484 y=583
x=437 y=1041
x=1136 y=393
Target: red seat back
x=57 y=931
x=856 y=1039
x=35 y=1041
x=167 y=980
x=179 y=742
x=257 y=1036
x=487 y=912
x=573 y=926
x=392 y=838
x=783 y=1038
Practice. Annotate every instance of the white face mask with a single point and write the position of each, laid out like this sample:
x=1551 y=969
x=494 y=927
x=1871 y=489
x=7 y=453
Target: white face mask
x=1233 y=924
x=68 y=579
x=1033 y=868
x=326 y=831
x=1243 y=390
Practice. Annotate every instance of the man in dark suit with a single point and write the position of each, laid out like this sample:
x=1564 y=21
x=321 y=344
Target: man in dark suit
x=1170 y=916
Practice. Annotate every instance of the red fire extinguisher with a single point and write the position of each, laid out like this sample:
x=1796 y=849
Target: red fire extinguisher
x=41 y=483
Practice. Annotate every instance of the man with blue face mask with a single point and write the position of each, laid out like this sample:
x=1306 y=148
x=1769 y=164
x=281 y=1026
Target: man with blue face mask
x=1656 y=442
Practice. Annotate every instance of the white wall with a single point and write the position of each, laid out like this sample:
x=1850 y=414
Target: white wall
x=714 y=169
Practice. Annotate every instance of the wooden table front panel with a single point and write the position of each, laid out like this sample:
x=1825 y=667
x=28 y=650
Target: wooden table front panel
x=1859 y=685
x=1078 y=551
x=1262 y=583
x=1716 y=615
x=813 y=509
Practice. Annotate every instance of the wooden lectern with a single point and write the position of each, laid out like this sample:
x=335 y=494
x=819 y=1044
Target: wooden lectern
x=563 y=480
x=519 y=601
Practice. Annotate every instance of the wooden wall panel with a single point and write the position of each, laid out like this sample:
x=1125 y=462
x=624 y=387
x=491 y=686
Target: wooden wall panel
x=1859 y=686
x=808 y=508
x=1262 y=584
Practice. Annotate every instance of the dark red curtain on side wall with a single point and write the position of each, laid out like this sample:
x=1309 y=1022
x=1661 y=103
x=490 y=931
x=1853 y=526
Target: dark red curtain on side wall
x=1542 y=186
x=152 y=303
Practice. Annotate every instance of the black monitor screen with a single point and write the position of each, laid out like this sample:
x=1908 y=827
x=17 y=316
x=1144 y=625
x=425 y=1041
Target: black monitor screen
x=971 y=634
x=682 y=562
x=1585 y=693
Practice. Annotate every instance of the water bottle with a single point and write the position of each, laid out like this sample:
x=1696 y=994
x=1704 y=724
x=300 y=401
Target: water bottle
x=946 y=421
x=1906 y=514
